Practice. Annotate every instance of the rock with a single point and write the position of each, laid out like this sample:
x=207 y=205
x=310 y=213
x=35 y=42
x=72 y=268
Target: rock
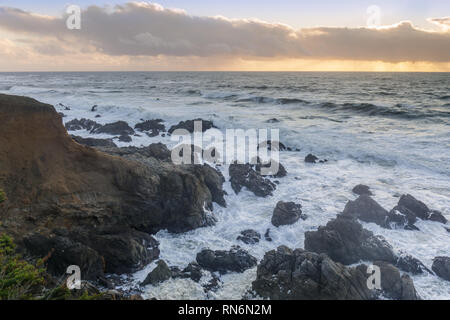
x=311 y=158
x=243 y=175
x=91 y=142
x=160 y=274
x=267 y=236
x=287 y=274
x=61 y=252
x=412 y=265
x=249 y=236
x=189 y=125
x=441 y=266
x=395 y=220
x=413 y=209
x=156 y=150
x=344 y=240
x=395 y=286
x=366 y=209
x=438 y=217
x=235 y=260
x=119 y=128
x=96 y=210
x=408 y=205
x=273 y=120
x=280 y=173
x=94 y=108
x=151 y=127
x=361 y=189
x=286 y=213
x=192 y=271
x=268 y=144
x=125 y=138
x=83 y=124
x=447 y=229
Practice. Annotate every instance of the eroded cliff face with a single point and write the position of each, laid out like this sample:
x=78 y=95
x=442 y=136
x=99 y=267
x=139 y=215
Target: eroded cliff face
x=86 y=207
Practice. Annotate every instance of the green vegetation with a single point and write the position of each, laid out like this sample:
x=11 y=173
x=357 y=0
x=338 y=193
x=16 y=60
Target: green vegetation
x=21 y=280
x=18 y=278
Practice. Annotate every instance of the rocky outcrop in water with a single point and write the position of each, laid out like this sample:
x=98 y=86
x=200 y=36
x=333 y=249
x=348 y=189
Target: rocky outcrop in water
x=441 y=266
x=160 y=274
x=286 y=274
x=119 y=128
x=235 y=260
x=243 y=175
x=151 y=127
x=249 y=236
x=189 y=125
x=88 y=208
x=345 y=240
x=361 y=189
x=413 y=209
x=286 y=213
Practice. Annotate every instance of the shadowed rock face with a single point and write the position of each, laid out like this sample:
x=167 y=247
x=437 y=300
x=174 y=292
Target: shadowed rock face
x=345 y=240
x=101 y=204
x=441 y=266
x=286 y=274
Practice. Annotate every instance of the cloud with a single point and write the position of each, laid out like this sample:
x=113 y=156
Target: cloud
x=145 y=29
x=444 y=22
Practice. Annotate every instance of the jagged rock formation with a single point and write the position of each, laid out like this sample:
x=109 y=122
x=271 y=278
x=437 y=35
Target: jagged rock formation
x=63 y=195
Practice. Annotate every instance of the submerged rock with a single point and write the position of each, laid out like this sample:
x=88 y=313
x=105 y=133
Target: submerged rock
x=345 y=240
x=412 y=265
x=286 y=213
x=243 y=175
x=235 y=260
x=441 y=266
x=249 y=236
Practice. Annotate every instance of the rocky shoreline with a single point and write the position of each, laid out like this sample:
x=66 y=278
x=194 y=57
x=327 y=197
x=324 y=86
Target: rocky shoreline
x=86 y=202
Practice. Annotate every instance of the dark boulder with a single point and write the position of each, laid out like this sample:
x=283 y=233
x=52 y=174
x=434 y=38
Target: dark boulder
x=83 y=124
x=151 y=127
x=125 y=138
x=286 y=274
x=119 y=128
x=441 y=266
x=413 y=209
x=249 y=236
x=438 y=217
x=412 y=265
x=395 y=286
x=279 y=171
x=310 y=158
x=366 y=209
x=361 y=189
x=189 y=125
x=267 y=236
x=235 y=260
x=91 y=142
x=345 y=240
x=193 y=271
x=160 y=274
x=409 y=205
x=286 y=213
x=243 y=175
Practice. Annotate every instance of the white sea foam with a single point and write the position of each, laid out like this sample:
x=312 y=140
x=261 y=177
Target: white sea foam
x=393 y=155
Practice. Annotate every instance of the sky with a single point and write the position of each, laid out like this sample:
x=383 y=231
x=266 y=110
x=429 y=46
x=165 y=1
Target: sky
x=254 y=35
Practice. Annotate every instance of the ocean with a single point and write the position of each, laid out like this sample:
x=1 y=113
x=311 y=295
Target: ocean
x=390 y=131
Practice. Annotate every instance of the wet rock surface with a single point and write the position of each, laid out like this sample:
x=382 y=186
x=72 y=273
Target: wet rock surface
x=235 y=260
x=361 y=189
x=243 y=175
x=441 y=266
x=189 y=125
x=345 y=240
x=249 y=236
x=286 y=213
x=160 y=274
x=151 y=127
x=119 y=128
